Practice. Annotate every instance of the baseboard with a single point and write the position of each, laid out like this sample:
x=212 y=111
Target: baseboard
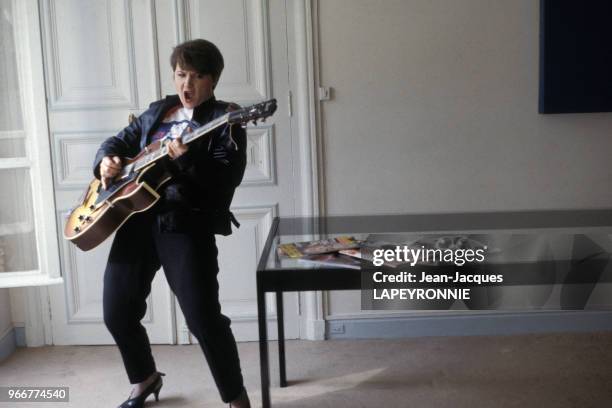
x=471 y=325
x=8 y=343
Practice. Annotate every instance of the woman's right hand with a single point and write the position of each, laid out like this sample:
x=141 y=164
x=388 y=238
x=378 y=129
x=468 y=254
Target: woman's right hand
x=109 y=168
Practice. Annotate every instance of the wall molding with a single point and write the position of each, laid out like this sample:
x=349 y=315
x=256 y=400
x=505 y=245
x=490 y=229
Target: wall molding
x=20 y=337
x=67 y=178
x=264 y=215
x=37 y=328
x=122 y=90
x=302 y=17
x=261 y=157
x=8 y=343
x=255 y=85
x=489 y=324
x=12 y=134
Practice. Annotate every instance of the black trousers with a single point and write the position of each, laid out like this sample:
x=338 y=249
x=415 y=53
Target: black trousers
x=189 y=260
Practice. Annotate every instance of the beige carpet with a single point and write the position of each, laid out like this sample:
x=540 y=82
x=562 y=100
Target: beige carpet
x=572 y=370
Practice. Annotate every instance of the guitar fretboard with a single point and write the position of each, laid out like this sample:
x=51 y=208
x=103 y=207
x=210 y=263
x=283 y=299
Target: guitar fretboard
x=155 y=155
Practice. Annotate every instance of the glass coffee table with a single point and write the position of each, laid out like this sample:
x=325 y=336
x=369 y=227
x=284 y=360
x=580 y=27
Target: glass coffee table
x=588 y=230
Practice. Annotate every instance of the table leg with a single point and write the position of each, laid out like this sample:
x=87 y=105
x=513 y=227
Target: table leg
x=280 y=321
x=263 y=347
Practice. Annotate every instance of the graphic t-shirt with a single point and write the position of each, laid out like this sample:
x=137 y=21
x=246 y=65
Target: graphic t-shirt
x=176 y=123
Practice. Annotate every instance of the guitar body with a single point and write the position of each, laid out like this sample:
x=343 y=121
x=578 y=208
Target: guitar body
x=102 y=212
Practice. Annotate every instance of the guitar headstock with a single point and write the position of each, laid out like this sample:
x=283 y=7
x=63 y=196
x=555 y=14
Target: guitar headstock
x=253 y=113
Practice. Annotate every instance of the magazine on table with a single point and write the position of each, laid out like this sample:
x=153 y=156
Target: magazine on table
x=366 y=253
x=301 y=249
x=332 y=259
x=381 y=241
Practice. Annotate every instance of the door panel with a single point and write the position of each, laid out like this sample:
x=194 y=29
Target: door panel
x=252 y=38
x=99 y=67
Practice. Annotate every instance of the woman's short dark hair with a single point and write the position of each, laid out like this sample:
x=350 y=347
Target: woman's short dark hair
x=201 y=55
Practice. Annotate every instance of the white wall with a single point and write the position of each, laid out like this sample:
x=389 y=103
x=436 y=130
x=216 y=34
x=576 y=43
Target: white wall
x=435 y=110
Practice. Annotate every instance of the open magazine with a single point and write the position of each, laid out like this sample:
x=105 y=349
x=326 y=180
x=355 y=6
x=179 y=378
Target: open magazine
x=301 y=249
x=366 y=253
x=332 y=259
x=381 y=241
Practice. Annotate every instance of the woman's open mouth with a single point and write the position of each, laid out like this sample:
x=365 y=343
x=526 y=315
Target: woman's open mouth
x=188 y=95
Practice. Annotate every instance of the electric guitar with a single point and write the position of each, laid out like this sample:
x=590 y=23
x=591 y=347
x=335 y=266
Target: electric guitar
x=100 y=212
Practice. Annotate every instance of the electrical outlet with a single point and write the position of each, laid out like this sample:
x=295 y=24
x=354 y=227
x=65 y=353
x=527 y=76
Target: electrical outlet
x=336 y=329
x=325 y=93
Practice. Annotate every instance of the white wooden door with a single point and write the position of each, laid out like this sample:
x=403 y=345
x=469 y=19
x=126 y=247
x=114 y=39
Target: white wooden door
x=252 y=37
x=100 y=66
x=108 y=58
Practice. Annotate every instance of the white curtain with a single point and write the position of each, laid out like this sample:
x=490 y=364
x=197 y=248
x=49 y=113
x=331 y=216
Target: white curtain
x=18 y=250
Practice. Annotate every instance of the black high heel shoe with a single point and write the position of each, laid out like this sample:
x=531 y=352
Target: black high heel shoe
x=153 y=388
x=242 y=398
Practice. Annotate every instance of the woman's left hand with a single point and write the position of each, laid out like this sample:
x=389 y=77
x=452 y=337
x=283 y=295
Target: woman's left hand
x=176 y=148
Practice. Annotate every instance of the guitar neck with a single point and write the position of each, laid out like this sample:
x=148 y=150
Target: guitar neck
x=250 y=114
x=158 y=154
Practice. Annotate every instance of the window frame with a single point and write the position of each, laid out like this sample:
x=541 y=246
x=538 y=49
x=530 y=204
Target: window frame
x=28 y=48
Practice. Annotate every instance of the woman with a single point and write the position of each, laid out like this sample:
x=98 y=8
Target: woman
x=178 y=232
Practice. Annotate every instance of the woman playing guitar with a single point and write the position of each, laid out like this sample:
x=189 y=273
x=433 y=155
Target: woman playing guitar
x=178 y=232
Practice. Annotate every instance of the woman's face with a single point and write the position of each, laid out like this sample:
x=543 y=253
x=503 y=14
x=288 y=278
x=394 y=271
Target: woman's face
x=192 y=87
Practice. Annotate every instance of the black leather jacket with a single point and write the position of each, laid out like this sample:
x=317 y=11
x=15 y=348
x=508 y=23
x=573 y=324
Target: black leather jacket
x=201 y=190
